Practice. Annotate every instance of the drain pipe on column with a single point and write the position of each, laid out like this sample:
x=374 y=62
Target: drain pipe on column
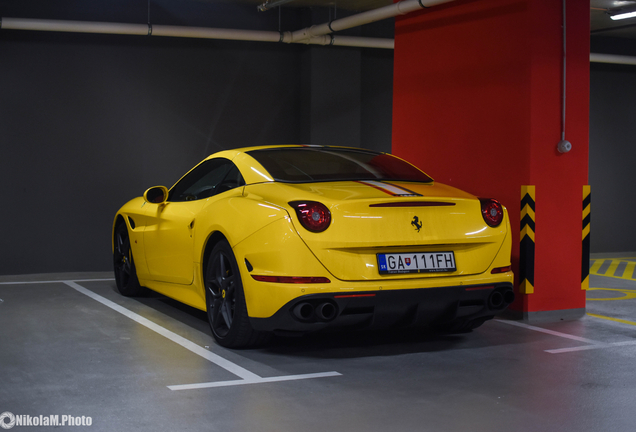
x=564 y=145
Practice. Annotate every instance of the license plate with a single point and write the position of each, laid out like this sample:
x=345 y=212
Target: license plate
x=421 y=262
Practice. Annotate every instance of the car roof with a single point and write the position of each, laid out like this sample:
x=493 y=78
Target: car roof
x=253 y=171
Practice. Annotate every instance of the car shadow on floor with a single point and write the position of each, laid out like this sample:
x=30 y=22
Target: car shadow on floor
x=340 y=343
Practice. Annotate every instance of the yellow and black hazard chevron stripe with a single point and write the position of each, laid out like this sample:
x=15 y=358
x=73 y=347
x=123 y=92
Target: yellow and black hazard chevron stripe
x=585 y=254
x=526 y=253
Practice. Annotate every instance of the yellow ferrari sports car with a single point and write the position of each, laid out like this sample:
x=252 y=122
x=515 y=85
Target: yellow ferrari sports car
x=296 y=239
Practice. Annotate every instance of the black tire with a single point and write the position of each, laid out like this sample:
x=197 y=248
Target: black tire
x=124 y=264
x=460 y=325
x=225 y=301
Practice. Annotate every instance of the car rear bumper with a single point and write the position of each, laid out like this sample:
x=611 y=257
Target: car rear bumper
x=389 y=308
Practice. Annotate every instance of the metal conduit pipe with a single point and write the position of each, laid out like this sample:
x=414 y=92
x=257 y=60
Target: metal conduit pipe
x=315 y=35
x=73 y=26
x=185 y=32
x=228 y=34
x=400 y=8
x=360 y=42
x=612 y=58
x=215 y=33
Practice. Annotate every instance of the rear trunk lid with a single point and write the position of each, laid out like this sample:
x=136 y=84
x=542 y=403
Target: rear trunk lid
x=373 y=221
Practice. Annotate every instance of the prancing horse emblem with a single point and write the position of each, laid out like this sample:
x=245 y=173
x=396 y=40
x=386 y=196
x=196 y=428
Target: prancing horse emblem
x=416 y=223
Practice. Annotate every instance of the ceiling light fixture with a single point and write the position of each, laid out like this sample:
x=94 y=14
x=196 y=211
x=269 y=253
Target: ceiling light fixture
x=622 y=13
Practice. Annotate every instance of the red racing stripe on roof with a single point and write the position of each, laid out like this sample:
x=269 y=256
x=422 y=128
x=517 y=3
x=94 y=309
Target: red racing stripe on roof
x=389 y=188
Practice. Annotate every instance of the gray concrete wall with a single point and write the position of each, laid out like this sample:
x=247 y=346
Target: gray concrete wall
x=88 y=122
x=613 y=157
x=613 y=149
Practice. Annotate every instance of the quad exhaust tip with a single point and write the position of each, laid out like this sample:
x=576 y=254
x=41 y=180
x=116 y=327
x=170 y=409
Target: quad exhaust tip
x=500 y=299
x=323 y=311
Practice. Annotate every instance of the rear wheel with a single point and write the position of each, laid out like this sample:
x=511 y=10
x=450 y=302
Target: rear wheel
x=124 y=265
x=226 y=308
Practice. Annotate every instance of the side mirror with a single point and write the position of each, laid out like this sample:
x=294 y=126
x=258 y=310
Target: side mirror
x=156 y=195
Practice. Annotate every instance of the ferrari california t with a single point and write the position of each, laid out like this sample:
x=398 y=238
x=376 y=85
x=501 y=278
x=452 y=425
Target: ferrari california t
x=296 y=239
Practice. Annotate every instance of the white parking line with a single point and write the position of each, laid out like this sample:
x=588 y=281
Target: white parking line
x=246 y=376
x=55 y=281
x=258 y=381
x=198 y=350
x=592 y=343
x=550 y=332
x=590 y=347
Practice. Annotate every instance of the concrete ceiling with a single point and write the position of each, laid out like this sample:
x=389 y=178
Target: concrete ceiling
x=601 y=24
x=352 y=5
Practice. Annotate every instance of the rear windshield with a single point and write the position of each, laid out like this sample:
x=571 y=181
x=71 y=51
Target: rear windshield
x=316 y=164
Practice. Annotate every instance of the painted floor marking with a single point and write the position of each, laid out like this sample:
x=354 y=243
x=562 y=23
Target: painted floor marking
x=627 y=272
x=612 y=319
x=592 y=343
x=590 y=347
x=208 y=355
x=550 y=332
x=627 y=294
x=596 y=266
x=258 y=381
x=56 y=281
x=246 y=376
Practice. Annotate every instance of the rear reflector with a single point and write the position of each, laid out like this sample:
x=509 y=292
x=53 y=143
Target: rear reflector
x=291 y=279
x=413 y=204
x=501 y=270
x=354 y=295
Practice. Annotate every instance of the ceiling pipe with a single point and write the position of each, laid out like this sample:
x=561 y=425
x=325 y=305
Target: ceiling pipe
x=73 y=26
x=315 y=35
x=227 y=34
x=185 y=32
x=612 y=58
x=402 y=7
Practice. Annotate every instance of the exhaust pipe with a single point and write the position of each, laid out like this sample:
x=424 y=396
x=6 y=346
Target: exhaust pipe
x=500 y=299
x=313 y=311
x=326 y=311
x=509 y=296
x=496 y=300
x=304 y=311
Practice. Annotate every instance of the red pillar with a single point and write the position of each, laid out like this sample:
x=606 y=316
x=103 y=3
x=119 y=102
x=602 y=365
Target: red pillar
x=477 y=104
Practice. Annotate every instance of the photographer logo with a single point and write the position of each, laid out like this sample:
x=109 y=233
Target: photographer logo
x=9 y=420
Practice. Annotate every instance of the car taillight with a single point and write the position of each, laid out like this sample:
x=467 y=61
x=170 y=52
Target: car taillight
x=492 y=211
x=313 y=215
x=501 y=270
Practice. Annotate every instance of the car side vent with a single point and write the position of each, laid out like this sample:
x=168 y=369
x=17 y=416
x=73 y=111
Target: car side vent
x=248 y=265
x=131 y=222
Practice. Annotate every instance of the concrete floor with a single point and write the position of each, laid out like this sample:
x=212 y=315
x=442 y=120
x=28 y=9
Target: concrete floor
x=71 y=346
